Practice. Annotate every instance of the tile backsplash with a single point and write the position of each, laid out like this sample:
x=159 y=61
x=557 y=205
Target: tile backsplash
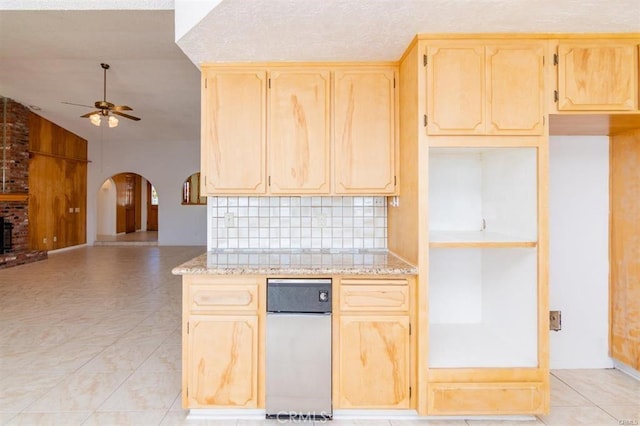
x=297 y=222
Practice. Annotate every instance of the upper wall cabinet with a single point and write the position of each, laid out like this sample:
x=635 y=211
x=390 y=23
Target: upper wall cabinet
x=597 y=76
x=268 y=131
x=478 y=89
x=233 y=151
x=299 y=131
x=365 y=131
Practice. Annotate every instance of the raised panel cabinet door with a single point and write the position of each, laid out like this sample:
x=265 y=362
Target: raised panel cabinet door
x=515 y=83
x=455 y=89
x=374 y=362
x=299 y=132
x=234 y=131
x=597 y=77
x=364 y=131
x=222 y=361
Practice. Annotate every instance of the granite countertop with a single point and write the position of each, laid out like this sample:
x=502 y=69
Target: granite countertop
x=296 y=262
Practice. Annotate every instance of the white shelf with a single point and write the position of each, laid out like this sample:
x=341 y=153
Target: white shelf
x=479 y=239
x=483 y=307
x=479 y=345
x=493 y=189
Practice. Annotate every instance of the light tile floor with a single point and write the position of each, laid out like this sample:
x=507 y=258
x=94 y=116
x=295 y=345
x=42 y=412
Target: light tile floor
x=91 y=336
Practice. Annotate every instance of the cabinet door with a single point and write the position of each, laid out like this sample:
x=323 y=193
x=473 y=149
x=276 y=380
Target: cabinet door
x=455 y=89
x=597 y=77
x=374 y=362
x=515 y=81
x=233 y=132
x=299 y=132
x=222 y=365
x=364 y=131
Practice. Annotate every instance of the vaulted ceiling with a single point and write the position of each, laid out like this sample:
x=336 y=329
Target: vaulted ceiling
x=50 y=52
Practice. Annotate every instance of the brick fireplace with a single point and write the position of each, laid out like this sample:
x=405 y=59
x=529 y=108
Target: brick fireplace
x=14 y=182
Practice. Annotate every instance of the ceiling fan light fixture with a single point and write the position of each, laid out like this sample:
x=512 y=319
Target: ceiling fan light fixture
x=95 y=119
x=113 y=121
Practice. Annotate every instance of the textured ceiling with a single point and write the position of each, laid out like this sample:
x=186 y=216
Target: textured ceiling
x=50 y=51
x=363 y=30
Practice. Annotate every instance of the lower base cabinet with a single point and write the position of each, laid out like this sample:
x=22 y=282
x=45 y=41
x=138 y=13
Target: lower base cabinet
x=222 y=361
x=374 y=362
x=374 y=353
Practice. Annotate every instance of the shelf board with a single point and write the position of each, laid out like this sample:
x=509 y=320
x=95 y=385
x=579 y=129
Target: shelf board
x=476 y=239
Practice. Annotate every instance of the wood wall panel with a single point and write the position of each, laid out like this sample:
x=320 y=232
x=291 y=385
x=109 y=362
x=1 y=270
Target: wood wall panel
x=624 y=298
x=57 y=186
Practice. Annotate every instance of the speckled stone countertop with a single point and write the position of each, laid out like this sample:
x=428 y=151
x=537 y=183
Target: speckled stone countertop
x=296 y=262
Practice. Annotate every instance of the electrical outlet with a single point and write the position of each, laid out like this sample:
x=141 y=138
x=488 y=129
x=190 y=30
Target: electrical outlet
x=379 y=201
x=555 y=320
x=229 y=220
x=55 y=239
x=44 y=241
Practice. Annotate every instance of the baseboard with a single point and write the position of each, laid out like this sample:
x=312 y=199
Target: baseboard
x=626 y=369
x=224 y=414
x=61 y=250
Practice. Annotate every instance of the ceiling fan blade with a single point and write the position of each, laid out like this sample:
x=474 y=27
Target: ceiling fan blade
x=91 y=113
x=122 y=114
x=121 y=108
x=71 y=103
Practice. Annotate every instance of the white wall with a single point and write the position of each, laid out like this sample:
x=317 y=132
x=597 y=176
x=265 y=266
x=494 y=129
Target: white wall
x=579 y=244
x=166 y=167
x=106 y=213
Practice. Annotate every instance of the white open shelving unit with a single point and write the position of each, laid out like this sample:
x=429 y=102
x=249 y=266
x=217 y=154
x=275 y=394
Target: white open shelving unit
x=483 y=258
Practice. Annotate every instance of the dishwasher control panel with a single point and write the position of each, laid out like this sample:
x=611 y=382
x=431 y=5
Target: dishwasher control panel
x=299 y=295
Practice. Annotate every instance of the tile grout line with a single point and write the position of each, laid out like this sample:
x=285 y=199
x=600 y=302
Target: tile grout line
x=585 y=397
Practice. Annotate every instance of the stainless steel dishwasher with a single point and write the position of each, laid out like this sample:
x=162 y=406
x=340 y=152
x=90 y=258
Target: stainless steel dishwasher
x=298 y=349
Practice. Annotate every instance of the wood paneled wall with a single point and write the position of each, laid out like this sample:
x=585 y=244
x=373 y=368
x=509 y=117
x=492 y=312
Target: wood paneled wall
x=57 y=186
x=624 y=297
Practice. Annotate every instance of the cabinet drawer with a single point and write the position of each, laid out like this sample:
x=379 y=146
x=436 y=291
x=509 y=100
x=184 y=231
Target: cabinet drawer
x=374 y=297
x=485 y=398
x=242 y=297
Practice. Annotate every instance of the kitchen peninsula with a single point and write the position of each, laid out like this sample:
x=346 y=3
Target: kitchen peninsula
x=224 y=308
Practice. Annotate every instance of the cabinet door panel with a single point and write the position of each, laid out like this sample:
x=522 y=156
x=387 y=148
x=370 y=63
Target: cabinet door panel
x=597 y=77
x=223 y=361
x=299 y=132
x=456 y=90
x=374 y=362
x=233 y=132
x=364 y=131
x=515 y=81
x=378 y=297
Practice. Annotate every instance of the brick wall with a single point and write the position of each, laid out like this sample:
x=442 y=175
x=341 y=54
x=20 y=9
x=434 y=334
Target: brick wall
x=14 y=175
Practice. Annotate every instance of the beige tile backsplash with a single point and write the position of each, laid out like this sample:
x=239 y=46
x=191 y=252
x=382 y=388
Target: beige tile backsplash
x=297 y=222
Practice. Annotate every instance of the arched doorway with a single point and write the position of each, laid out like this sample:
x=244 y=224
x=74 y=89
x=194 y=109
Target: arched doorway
x=127 y=210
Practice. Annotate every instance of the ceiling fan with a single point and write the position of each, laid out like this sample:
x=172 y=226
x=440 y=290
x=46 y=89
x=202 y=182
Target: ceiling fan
x=105 y=108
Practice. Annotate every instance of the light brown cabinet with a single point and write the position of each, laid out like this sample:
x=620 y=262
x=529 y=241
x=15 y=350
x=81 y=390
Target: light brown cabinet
x=597 y=76
x=221 y=342
x=288 y=112
x=299 y=132
x=222 y=361
x=365 y=131
x=478 y=89
x=233 y=139
x=374 y=344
